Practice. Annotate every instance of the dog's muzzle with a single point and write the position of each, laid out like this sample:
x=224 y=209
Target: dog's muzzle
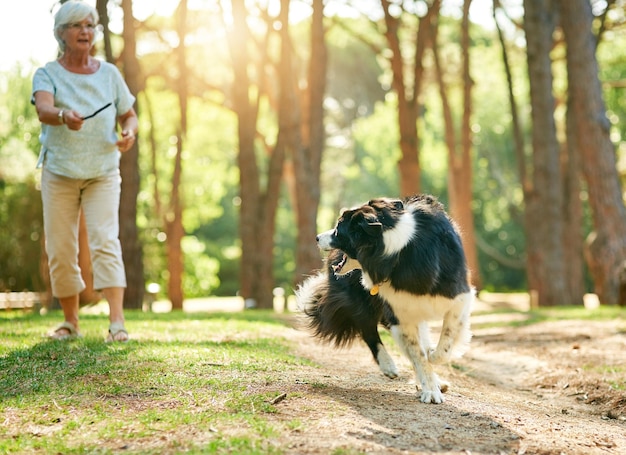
x=324 y=240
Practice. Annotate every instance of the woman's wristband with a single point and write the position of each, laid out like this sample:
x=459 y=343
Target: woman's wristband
x=61 y=118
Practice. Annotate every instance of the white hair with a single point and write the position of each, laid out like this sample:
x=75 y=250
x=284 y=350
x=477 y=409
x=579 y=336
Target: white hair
x=72 y=11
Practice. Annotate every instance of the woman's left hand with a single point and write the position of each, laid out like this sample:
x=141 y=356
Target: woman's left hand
x=126 y=142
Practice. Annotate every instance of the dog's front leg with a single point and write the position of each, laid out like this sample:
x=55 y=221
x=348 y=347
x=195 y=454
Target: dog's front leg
x=455 y=332
x=409 y=342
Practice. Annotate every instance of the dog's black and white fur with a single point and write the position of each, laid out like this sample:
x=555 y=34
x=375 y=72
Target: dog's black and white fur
x=401 y=264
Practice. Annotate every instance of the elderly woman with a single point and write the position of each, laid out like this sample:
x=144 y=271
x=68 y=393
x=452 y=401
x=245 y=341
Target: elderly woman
x=79 y=101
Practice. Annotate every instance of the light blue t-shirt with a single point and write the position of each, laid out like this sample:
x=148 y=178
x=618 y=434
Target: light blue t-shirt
x=90 y=152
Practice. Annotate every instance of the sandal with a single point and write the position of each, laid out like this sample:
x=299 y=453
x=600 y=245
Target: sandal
x=58 y=334
x=117 y=333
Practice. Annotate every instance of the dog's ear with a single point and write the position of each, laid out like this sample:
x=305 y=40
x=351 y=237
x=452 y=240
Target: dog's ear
x=371 y=226
x=384 y=203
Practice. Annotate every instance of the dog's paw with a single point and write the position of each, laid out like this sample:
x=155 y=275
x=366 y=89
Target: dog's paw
x=386 y=364
x=439 y=356
x=431 y=396
x=436 y=395
x=391 y=373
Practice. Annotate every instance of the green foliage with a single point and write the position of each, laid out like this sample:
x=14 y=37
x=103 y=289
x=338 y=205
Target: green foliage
x=374 y=169
x=21 y=224
x=210 y=178
x=354 y=72
x=18 y=120
x=21 y=236
x=200 y=269
x=285 y=245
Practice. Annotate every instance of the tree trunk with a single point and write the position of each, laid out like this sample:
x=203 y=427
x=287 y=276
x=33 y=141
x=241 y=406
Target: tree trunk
x=245 y=107
x=573 y=235
x=520 y=149
x=103 y=12
x=288 y=139
x=544 y=219
x=408 y=100
x=313 y=139
x=129 y=169
x=607 y=245
x=459 y=155
x=175 y=229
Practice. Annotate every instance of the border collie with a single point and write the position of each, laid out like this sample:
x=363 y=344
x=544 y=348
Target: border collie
x=400 y=264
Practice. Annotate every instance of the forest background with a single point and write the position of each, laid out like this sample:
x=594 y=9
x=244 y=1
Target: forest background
x=260 y=120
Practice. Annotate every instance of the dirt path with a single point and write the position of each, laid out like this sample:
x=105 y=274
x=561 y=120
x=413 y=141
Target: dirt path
x=542 y=389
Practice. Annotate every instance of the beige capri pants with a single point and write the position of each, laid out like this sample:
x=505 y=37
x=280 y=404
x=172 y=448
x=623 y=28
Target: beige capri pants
x=99 y=198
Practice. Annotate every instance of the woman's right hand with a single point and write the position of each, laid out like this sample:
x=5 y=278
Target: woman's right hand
x=73 y=120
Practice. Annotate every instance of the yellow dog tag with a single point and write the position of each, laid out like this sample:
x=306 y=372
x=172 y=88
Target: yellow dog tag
x=374 y=289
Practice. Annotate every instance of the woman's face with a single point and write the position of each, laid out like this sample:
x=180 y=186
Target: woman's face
x=79 y=36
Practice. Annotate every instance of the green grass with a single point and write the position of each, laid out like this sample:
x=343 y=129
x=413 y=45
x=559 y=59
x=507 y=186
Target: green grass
x=559 y=313
x=602 y=313
x=614 y=375
x=191 y=383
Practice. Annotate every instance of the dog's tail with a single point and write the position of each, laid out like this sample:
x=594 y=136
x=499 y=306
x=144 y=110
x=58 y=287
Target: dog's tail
x=329 y=315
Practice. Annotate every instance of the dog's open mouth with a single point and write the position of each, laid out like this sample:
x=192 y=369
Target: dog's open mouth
x=338 y=266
